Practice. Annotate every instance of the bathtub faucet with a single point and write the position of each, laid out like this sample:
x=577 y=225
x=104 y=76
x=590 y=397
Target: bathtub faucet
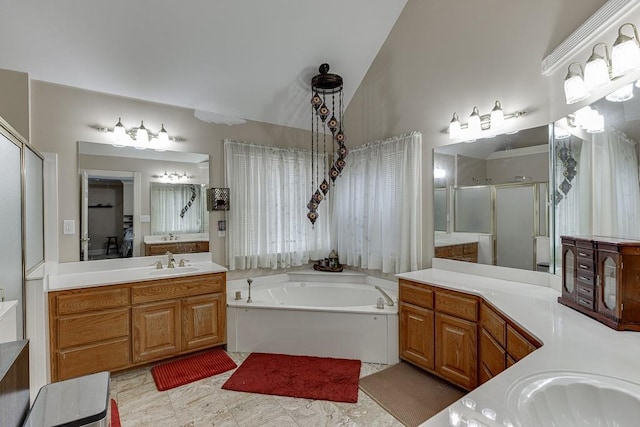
x=386 y=296
x=249 y=281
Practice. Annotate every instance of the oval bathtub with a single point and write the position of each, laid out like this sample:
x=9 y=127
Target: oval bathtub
x=314 y=318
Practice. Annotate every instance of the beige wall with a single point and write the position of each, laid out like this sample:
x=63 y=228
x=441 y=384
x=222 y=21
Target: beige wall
x=534 y=166
x=14 y=101
x=62 y=115
x=451 y=55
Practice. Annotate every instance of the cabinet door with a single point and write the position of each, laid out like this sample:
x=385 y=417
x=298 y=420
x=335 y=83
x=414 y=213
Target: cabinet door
x=203 y=321
x=456 y=350
x=417 y=335
x=569 y=272
x=156 y=330
x=608 y=298
x=493 y=358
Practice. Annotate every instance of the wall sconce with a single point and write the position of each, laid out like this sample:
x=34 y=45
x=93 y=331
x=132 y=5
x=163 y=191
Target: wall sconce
x=479 y=124
x=140 y=137
x=218 y=199
x=625 y=54
x=597 y=70
x=575 y=89
x=172 y=177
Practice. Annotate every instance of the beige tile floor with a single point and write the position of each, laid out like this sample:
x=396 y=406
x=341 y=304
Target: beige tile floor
x=205 y=403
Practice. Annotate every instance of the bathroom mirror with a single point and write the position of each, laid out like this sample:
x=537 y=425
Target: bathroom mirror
x=117 y=182
x=490 y=200
x=597 y=189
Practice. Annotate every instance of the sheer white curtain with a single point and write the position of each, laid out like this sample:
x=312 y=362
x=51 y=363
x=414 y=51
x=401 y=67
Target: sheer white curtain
x=377 y=210
x=267 y=223
x=616 y=202
x=177 y=208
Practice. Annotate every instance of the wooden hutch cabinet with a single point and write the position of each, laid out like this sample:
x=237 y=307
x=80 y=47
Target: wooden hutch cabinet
x=604 y=280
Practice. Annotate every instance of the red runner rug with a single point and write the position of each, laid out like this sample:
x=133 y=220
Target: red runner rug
x=307 y=377
x=174 y=374
x=115 y=415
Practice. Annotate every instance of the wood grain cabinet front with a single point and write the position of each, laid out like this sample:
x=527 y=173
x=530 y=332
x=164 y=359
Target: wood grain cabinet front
x=457 y=336
x=110 y=328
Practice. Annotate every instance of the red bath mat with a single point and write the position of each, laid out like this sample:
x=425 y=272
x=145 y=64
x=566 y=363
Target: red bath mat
x=307 y=377
x=193 y=368
x=115 y=415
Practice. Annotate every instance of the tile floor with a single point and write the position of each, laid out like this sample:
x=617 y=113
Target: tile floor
x=205 y=403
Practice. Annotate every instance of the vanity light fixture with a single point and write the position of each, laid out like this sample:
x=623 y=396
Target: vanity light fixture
x=625 y=93
x=480 y=125
x=625 y=54
x=588 y=119
x=597 y=70
x=140 y=137
x=575 y=89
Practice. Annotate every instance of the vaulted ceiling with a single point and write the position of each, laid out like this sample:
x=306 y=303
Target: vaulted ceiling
x=226 y=59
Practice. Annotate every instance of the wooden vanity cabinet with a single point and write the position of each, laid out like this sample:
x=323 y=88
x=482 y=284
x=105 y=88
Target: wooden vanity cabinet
x=607 y=277
x=436 y=333
x=457 y=336
x=175 y=247
x=119 y=326
x=89 y=331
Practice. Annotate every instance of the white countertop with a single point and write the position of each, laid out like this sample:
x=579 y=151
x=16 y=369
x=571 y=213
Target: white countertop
x=123 y=270
x=572 y=341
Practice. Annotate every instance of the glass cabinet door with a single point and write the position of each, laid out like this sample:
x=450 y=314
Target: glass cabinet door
x=609 y=293
x=568 y=273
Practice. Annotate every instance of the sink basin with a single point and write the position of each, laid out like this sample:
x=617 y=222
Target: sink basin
x=170 y=271
x=566 y=399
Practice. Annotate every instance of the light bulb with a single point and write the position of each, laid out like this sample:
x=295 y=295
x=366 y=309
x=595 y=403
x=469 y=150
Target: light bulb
x=575 y=90
x=497 y=116
x=625 y=54
x=454 y=127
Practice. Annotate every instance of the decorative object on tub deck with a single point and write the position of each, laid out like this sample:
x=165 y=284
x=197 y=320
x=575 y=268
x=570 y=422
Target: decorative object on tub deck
x=322 y=85
x=330 y=264
x=183 y=371
x=308 y=377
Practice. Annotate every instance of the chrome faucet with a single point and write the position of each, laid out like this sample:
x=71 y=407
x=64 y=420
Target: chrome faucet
x=387 y=298
x=171 y=262
x=182 y=261
x=158 y=265
x=249 y=281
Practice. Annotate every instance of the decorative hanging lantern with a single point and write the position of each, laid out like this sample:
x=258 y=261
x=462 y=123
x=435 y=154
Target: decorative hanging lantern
x=326 y=104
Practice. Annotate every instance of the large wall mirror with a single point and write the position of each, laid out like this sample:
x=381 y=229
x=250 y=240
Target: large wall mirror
x=133 y=198
x=597 y=190
x=490 y=200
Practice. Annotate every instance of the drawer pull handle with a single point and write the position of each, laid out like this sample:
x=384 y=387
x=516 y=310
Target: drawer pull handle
x=586 y=290
x=584 y=278
x=584 y=302
x=582 y=254
x=584 y=267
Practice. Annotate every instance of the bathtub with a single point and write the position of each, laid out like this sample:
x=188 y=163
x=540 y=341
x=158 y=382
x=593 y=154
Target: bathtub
x=314 y=314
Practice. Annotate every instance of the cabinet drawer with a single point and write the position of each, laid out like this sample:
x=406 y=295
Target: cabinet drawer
x=159 y=290
x=89 y=328
x=585 y=301
x=585 y=290
x=107 y=356
x=585 y=277
x=457 y=305
x=416 y=294
x=494 y=324
x=585 y=264
x=517 y=346
x=70 y=302
x=492 y=355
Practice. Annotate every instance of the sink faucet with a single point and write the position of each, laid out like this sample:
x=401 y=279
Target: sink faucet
x=170 y=236
x=158 y=265
x=170 y=260
x=249 y=281
x=182 y=261
x=386 y=296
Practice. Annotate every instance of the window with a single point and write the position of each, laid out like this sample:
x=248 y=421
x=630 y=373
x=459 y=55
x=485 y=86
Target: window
x=267 y=224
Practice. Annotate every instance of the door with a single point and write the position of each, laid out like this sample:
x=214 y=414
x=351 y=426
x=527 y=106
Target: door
x=515 y=226
x=456 y=354
x=417 y=335
x=156 y=330
x=608 y=298
x=203 y=321
x=11 y=227
x=569 y=272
